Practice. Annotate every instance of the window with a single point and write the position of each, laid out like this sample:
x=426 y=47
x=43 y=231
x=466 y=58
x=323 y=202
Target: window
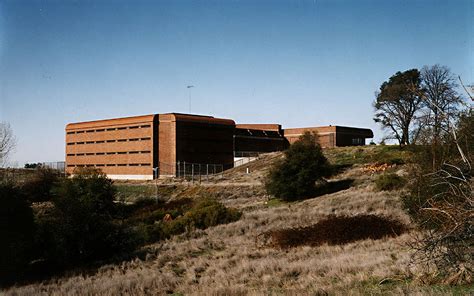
x=90 y=131
x=134 y=139
x=80 y=154
x=72 y=143
x=100 y=130
x=89 y=153
x=145 y=139
x=122 y=140
x=122 y=164
x=145 y=152
x=100 y=153
x=79 y=132
x=80 y=143
x=111 y=129
x=121 y=128
x=134 y=127
x=90 y=142
x=133 y=152
x=99 y=142
x=133 y=164
x=111 y=141
x=110 y=164
x=70 y=133
x=109 y=153
x=145 y=126
x=358 y=141
x=122 y=152
x=71 y=154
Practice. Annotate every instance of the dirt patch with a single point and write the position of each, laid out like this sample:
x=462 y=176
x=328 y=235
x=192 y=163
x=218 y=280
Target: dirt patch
x=335 y=230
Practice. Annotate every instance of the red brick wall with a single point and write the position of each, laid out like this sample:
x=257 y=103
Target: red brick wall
x=121 y=146
x=202 y=139
x=257 y=126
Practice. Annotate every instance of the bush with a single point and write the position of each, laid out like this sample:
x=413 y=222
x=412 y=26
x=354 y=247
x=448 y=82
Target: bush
x=209 y=212
x=389 y=181
x=295 y=176
x=204 y=214
x=440 y=199
x=38 y=188
x=16 y=232
x=82 y=227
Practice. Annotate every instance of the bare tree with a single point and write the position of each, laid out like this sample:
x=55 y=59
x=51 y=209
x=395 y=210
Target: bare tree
x=7 y=142
x=439 y=90
x=397 y=105
x=446 y=209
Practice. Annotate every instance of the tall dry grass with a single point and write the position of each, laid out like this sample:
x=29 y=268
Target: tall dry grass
x=227 y=259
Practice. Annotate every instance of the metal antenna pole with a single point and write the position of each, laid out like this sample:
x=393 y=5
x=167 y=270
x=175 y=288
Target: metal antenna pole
x=189 y=96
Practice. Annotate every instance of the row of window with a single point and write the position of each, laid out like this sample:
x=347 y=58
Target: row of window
x=108 y=153
x=110 y=141
x=108 y=129
x=107 y=165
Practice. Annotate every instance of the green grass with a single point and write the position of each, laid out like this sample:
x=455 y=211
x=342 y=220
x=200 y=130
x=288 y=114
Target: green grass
x=389 y=181
x=275 y=202
x=132 y=192
x=348 y=156
x=375 y=286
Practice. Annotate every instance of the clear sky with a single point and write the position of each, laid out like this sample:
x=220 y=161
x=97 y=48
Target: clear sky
x=298 y=63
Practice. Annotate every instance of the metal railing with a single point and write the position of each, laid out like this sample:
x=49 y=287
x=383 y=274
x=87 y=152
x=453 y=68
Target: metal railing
x=247 y=153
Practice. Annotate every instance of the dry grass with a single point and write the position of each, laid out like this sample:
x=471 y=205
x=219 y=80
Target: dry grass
x=228 y=259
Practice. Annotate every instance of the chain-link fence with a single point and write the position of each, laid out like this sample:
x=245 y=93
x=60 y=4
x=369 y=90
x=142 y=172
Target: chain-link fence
x=191 y=171
x=55 y=165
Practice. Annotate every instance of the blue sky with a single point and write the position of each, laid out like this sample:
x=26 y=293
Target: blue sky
x=298 y=63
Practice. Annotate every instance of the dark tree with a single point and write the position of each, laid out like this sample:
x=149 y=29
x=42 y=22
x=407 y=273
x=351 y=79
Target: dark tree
x=296 y=175
x=397 y=104
x=16 y=232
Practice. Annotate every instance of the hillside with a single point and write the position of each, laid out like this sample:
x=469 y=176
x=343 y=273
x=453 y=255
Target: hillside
x=231 y=259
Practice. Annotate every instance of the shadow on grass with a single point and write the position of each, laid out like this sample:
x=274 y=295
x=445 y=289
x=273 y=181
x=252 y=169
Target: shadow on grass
x=336 y=230
x=326 y=188
x=337 y=169
x=42 y=271
x=332 y=187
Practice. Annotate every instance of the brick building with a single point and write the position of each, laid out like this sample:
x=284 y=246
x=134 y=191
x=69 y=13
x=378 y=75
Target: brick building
x=332 y=136
x=131 y=147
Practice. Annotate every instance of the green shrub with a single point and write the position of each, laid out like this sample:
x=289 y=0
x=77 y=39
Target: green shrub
x=82 y=227
x=389 y=181
x=209 y=212
x=295 y=176
x=38 y=188
x=204 y=214
x=16 y=232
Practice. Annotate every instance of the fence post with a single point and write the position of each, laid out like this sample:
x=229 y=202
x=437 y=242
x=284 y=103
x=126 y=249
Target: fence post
x=184 y=170
x=178 y=170
x=207 y=172
x=199 y=173
x=192 y=173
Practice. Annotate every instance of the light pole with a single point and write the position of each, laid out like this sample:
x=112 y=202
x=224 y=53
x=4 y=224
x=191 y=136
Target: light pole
x=189 y=96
